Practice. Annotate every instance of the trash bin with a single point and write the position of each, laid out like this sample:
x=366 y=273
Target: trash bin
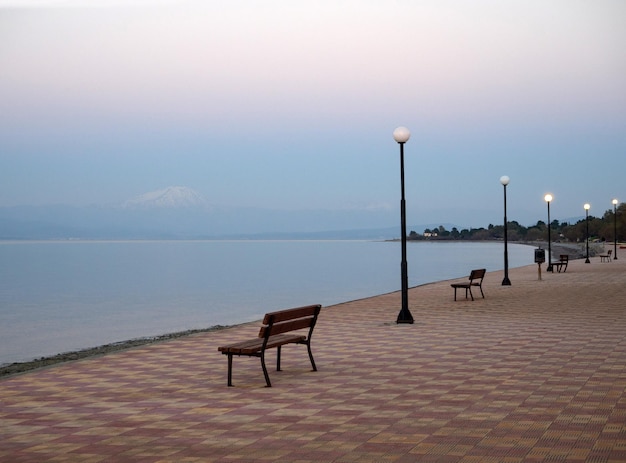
x=540 y=256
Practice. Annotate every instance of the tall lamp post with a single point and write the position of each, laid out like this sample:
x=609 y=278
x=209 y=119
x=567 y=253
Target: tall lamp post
x=587 y=206
x=504 y=180
x=614 y=228
x=548 y=198
x=401 y=135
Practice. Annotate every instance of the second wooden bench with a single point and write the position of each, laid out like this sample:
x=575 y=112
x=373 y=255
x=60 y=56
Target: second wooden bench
x=561 y=264
x=475 y=279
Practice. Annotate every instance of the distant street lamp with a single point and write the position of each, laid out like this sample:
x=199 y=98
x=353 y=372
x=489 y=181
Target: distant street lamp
x=587 y=206
x=504 y=180
x=548 y=198
x=615 y=229
x=401 y=135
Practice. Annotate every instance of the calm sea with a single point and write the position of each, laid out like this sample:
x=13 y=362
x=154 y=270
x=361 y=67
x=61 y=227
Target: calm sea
x=63 y=296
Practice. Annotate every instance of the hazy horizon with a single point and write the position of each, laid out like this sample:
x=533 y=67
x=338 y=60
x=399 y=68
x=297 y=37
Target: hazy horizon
x=182 y=213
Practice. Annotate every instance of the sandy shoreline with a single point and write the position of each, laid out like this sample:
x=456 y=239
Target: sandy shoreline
x=20 y=367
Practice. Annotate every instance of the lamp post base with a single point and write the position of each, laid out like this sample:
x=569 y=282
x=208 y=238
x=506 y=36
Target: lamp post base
x=506 y=282
x=405 y=317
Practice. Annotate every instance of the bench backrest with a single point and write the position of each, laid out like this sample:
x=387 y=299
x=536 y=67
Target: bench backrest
x=564 y=257
x=284 y=321
x=477 y=274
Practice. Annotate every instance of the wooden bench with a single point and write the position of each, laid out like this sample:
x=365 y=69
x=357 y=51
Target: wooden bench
x=561 y=264
x=279 y=328
x=606 y=257
x=475 y=279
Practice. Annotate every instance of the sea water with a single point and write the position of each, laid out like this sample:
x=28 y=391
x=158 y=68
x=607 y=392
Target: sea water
x=60 y=296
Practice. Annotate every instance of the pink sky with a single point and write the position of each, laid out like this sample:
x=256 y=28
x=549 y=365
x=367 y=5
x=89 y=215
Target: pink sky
x=158 y=92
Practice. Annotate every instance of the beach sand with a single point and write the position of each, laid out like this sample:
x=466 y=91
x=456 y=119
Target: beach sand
x=535 y=371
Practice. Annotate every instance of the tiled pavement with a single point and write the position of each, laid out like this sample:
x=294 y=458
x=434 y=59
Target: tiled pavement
x=533 y=372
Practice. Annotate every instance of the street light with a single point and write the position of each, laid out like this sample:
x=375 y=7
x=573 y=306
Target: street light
x=548 y=198
x=504 y=180
x=401 y=135
x=614 y=229
x=587 y=206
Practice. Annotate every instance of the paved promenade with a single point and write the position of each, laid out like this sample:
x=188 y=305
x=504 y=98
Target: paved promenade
x=533 y=372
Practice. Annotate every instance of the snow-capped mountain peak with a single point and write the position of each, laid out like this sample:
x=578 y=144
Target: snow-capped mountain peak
x=170 y=197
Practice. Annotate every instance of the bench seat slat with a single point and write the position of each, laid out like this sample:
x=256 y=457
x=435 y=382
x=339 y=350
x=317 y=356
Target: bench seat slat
x=252 y=346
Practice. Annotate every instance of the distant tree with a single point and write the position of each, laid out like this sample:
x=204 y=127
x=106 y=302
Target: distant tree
x=516 y=231
x=570 y=232
x=480 y=234
x=496 y=232
x=535 y=234
x=596 y=226
x=621 y=222
x=514 y=236
x=601 y=228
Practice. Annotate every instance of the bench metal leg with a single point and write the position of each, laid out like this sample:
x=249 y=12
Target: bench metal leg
x=308 y=346
x=230 y=369
x=278 y=358
x=466 y=290
x=267 y=376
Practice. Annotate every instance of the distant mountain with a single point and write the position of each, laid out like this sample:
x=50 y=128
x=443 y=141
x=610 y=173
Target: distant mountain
x=179 y=212
x=170 y=197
